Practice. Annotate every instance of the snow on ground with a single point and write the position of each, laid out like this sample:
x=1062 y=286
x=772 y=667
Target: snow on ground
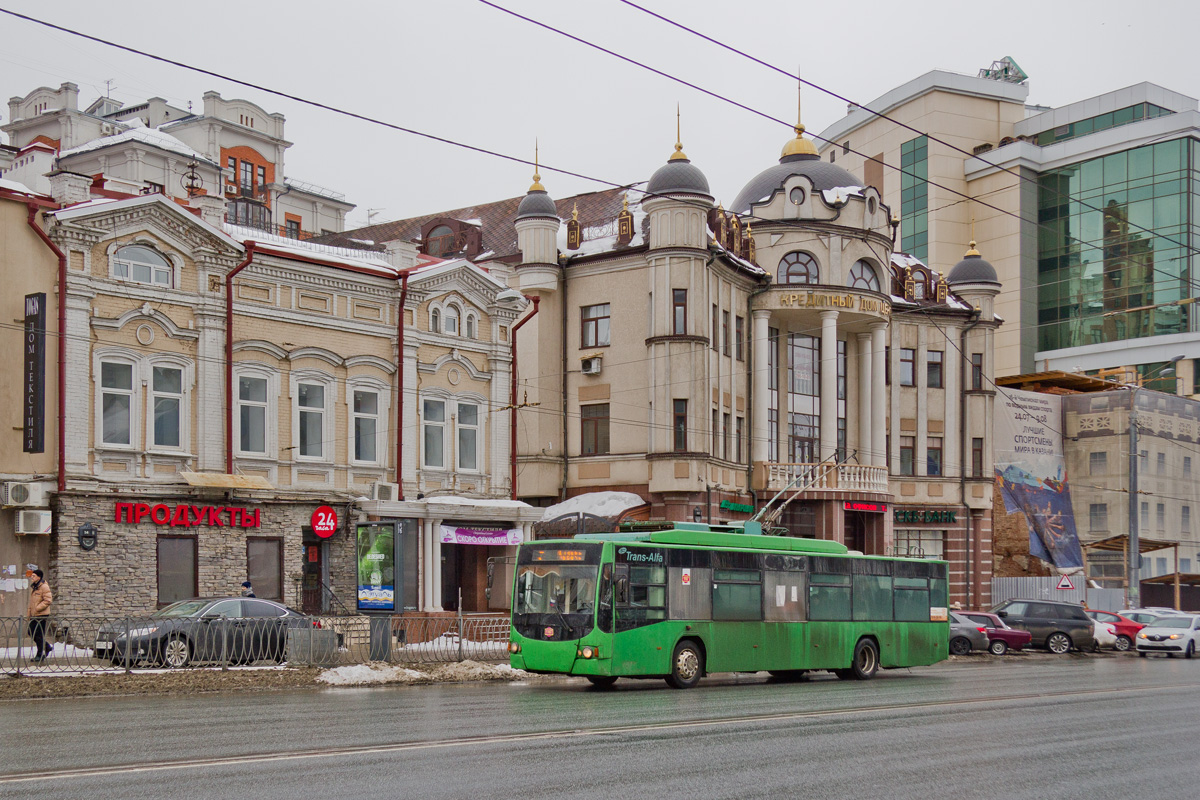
x=602 y=504
x=378 y=673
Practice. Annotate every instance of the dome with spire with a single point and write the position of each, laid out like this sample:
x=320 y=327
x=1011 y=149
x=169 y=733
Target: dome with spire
x=799 y=157
x=537 y=201
x=678 y=176
x=972 y=269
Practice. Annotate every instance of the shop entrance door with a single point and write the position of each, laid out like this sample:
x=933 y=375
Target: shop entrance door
x=312 y=581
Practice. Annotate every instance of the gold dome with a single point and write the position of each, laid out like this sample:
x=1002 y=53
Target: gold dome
x=972 y=251
x=799 y=146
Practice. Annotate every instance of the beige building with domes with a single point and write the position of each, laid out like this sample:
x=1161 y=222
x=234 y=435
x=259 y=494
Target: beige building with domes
x=774 y=352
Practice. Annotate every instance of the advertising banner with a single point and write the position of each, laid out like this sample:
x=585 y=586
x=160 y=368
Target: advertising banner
x=1031 y=474
x=497 y=536
x=34 y=381
x=376 y=566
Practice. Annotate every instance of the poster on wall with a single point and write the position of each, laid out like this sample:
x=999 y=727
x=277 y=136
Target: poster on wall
x=376 y=566
x=1031 y=474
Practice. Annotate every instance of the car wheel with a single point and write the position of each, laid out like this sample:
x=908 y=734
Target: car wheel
x=865 y=663
x=998 y=647
x=687 y=665
x=177 y=652
x=1058 y=643
x=959 y=646
x=1191 y=650
x=1124 y=644
x=601 y=681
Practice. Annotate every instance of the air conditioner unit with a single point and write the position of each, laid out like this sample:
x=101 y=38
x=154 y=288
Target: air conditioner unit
x=34 y=522
x=592 y=365
x=22 y=494
x=386 y=492
x=107 y=129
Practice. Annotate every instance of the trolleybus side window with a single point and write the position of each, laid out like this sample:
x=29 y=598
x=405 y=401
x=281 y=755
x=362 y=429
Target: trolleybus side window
x=737 y=594
x=912 y=599
x=645 y=600
x=829 y=596
x=872 y=590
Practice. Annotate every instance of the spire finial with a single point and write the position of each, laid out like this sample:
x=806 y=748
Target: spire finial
x=575 y=212
x=537 y=179
x=678 y=155
x=799 y=106
x=972 y=251
x=799 y=146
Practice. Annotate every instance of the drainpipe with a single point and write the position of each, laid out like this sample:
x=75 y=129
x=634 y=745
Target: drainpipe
x=400 y=385
x=513 y=402
x=962 y=443
x=250 y=245
x=562 y=492
x=62 y=343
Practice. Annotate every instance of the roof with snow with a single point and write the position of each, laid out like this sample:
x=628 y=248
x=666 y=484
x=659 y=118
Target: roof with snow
x=601 y=504
x=141 y=134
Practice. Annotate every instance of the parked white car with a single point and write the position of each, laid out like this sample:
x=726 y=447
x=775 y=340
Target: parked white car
x=1104 y=634
x=1170 y=635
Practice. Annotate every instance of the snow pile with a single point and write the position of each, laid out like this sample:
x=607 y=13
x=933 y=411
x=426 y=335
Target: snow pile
x=841 y=194
x=601 y=504
x=376 y=673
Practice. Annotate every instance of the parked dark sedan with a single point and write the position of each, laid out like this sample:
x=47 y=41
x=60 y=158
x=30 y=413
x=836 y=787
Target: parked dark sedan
x=965 y=635
x=1001 y=638
x=236 y=630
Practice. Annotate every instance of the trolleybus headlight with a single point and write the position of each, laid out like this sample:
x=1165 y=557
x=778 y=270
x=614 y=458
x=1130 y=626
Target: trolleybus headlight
x=587 y=652
x=513 y=647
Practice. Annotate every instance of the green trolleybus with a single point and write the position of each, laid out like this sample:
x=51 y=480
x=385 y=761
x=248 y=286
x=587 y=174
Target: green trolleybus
x=696 y=599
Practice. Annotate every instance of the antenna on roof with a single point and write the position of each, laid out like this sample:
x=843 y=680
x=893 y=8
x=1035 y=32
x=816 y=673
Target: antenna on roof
x=371 y=213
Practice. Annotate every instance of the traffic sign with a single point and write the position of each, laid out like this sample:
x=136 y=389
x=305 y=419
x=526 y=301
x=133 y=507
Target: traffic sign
x=324 y=521
x=1065 y=583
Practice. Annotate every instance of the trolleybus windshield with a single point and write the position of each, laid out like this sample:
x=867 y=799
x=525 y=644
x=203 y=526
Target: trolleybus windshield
x=555 y=592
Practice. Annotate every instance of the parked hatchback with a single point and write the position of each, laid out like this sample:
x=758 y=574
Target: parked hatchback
x=1125 y=628
x=1170 y=635
x=1055 y=625
x=1001 y=638
x=966 y=635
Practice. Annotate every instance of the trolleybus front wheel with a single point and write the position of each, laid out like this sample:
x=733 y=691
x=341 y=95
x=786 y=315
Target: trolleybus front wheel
x=601 y=681
x=865 y=663
x=687 y=665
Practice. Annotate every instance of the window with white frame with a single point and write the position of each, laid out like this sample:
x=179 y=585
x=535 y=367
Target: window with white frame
x=450 y=320
x=116 y=403
x=433 y=433
x=310 y=420
x=253 y=416
x=166 y=388
x=470 y=327
x=140 y=264
x=435 y=321
x=365 y=412
x=468 y=436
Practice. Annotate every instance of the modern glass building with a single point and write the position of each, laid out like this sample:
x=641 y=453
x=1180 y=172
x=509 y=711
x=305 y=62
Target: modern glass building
x=1113 y=246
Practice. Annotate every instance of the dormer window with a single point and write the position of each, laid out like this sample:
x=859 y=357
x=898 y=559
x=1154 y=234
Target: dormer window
x=451 y=320
x=440 y=241
x=142 y=265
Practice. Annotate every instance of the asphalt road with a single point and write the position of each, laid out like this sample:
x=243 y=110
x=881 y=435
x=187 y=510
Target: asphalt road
x=1029 y=727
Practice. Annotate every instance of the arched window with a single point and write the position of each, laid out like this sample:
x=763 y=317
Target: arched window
x=798 y=267
x=440 y=241
x=919 y=280
x=451 y=320
x=862 y=276
x=141 y=264
x=435 y=321
x=470 y=328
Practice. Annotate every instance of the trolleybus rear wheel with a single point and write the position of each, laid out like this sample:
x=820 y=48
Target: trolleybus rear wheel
x=687 y=665
x=865 y=663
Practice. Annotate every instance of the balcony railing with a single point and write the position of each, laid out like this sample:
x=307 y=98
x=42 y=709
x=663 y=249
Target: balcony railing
x=827 y=477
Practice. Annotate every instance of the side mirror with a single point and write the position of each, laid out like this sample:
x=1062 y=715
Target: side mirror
x=210 y=617
x=1001 y=613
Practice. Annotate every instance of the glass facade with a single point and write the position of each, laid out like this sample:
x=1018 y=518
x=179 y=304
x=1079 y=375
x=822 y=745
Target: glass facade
x=914 y=197
x=1113 y=119
x=1103 y=276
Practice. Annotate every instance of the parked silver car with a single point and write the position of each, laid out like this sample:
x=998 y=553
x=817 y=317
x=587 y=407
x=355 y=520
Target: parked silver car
x=966 y=635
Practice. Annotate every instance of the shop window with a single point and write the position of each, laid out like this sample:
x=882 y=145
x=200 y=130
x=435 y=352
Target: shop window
x=468 y=436
x=919 y=543
x=116 y=401
x=264 y=566
x=594 y=433
x=594 y=326
x=142 y=265
x=176 y=569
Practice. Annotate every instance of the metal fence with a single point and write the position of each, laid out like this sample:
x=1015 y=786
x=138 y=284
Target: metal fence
x=99 y=644
x=1046 y=588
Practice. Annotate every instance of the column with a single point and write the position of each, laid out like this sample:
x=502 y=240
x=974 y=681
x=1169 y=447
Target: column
x=760 y=435
x=828 y=385
x=879 y=395
x=435 y=565
x=866 y=447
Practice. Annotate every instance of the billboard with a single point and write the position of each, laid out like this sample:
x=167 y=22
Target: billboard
x=376 y=566
x=1032 y=476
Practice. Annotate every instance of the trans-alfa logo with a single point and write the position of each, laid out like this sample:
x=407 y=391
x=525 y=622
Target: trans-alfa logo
x=639 y=555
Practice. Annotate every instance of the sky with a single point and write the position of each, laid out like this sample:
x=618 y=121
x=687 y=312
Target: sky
x=464 y=70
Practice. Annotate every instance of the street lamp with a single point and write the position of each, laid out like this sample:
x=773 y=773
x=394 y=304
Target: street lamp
x=1133 y=582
